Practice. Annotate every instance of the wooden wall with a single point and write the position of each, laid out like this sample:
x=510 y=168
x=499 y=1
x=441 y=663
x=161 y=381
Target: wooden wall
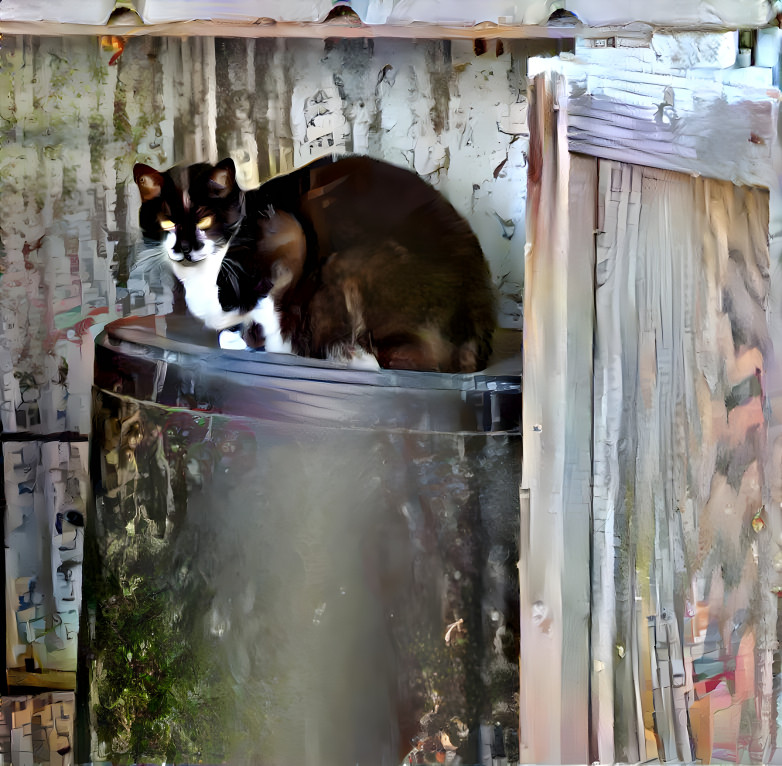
x=685 y=549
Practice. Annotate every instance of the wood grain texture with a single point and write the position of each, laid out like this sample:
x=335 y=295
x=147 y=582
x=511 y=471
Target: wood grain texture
x=317 y=31
x=638 y=105
x=554 y=569
x=687 y=532
x=682 y=285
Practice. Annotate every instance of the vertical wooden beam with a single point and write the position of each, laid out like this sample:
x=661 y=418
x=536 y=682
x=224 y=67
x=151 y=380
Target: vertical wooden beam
x=614 y=614
x=557 y=425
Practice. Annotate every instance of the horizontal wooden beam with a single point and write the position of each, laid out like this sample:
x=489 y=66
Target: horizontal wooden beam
x=286 y=29
x=56 y=680
x=270 y=28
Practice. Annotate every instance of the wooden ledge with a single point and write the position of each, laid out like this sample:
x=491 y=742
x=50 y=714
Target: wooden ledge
x=270 y=28
x=51 y=680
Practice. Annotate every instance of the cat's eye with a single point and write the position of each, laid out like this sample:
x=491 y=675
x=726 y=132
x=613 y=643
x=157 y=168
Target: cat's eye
x=205 y=223
x=167 y=225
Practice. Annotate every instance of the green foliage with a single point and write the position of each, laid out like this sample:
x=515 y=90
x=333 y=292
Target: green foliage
x=158 y=694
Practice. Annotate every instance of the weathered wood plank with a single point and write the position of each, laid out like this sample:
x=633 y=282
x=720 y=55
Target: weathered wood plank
x=686 y=393
x=681 y=333
x=625 y=107
x=293 y=30
x=554 y=568
x=58 y=680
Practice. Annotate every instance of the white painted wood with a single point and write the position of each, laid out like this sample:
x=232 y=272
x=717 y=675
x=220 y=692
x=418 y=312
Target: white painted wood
x=82 y=12
x=634 y=105
x=162 y=11
x=464 y=12
x=730 y=13
x=554 y=567
x=468 y=11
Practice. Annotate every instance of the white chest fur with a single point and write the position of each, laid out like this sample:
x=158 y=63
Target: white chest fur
x=200 y=283
x=201 y=295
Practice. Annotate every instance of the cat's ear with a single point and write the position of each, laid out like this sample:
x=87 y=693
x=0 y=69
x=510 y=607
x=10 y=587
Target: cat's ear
x=223 y=178
x=148 y=180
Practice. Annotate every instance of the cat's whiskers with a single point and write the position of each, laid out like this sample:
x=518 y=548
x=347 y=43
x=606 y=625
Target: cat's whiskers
x=149 y=255
x=147 y=259
x=232 y=271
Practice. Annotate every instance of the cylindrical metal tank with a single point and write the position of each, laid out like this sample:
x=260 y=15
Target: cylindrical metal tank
x=331 y=555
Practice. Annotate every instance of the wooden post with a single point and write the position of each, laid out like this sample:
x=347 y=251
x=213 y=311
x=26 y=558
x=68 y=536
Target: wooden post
x=557 y=425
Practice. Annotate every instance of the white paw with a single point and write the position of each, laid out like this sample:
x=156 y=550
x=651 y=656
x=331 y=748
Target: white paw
x=277 y=345
x=363 y=360
x=232 y=339
x=357 y=359
x=266 y=315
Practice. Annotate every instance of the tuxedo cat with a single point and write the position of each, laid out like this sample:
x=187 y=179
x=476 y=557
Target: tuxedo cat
x=344 y=255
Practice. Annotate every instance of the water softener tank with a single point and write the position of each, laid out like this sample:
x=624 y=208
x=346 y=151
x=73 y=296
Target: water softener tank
x=301 y=563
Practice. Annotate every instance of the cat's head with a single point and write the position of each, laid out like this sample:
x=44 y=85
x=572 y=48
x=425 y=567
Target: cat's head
x=191 y=210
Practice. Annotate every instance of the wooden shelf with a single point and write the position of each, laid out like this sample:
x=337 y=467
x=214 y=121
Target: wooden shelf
x=265 y=28
x=51 y=680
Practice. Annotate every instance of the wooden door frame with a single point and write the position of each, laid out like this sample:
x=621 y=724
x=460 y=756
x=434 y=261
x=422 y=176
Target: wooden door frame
x=557 y=439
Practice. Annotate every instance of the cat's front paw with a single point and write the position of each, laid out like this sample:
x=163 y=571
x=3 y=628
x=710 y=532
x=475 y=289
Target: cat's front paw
x=232 y=340
x=265 y=315
x=355 y=358
x=363 y=360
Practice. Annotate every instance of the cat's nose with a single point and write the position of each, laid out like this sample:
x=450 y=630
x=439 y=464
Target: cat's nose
x=188 y=249
x=189 y=252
